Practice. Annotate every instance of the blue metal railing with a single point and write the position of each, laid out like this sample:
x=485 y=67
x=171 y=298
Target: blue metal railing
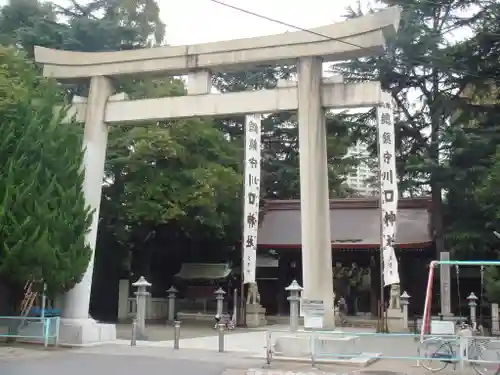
x=31 y=328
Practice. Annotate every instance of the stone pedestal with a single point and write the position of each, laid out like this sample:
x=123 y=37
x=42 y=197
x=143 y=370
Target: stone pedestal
x=395 y=315
x=445 y=282
x=85 y=332
x=72 y=332
x=495 y=326
x=299 y=346
x=395 y=321
x=255 y=316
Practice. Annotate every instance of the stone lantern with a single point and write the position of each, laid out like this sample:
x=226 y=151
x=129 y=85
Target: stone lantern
x=472 y=302
x=171 y=295
x=294 y=289
x=141 y=294
x=404 y=301
x=219 y=296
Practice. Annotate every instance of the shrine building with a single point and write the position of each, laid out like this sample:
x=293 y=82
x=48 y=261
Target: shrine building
x=355 y=241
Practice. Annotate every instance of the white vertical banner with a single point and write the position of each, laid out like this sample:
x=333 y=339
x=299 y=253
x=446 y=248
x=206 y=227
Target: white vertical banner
x=388 y=190
x=251 y=196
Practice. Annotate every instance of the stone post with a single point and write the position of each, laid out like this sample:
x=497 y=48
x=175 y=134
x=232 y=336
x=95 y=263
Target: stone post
x=172 y=293
x=219 y=296
x=317 y=275
x=495 y=326
x=123 y=295
x=294 y=289
x=404 y=302
x=445 y=282
x=472 y=299
x=141 y=295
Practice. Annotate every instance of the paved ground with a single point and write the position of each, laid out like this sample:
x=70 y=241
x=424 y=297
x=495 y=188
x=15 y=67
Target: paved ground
x=84 y=364
x=127 y=360
x=197 y=355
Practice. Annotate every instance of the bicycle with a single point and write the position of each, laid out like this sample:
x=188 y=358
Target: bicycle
x=225 y=319
x=445 y=354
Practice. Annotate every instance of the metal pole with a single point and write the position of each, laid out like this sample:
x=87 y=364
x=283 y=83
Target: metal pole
x=44 y=300
x=427 y=304
x=177 y=333
x=269 y=348
x=221 y=337
x=133 y=340
x=58 y=323
x=234 y=318
x=313 y=351
x=46 y=332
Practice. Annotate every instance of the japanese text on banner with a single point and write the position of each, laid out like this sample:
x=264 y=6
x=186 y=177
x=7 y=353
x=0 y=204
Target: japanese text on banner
x=251 y=196
x=388 y=192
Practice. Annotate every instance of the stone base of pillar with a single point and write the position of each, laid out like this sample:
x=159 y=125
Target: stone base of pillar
x=255 y=315
x=329 y=319
x=85 y=332
x=448 y=316
x=299 y=346
x=72 y=332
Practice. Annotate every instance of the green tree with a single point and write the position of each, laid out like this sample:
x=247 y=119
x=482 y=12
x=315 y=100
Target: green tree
x=472 y=200
x=420 y=73
x=280 y=143
x=98 y=25
x=487 y=203
x=43 y=217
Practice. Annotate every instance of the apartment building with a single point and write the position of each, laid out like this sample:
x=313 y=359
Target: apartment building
x=360 y=179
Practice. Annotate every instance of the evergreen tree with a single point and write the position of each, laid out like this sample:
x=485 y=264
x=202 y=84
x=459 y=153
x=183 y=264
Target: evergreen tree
x=43 y=216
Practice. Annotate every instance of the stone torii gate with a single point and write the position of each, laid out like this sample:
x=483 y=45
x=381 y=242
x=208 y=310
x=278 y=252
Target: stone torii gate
x=311 y=95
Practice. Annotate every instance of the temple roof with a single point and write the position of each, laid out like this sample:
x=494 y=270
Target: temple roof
x=203 y=271
x=354 y=222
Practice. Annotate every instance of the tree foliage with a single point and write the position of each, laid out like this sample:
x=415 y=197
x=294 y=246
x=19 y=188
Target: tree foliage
x=280 y=142
x=43 y=216
x=424 y=80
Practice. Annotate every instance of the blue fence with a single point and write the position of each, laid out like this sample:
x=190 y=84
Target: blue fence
x=359 y=347
x=31 y=329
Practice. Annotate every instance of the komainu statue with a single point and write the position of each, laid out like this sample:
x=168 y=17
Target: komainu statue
x=253 y=296
x=395 y=296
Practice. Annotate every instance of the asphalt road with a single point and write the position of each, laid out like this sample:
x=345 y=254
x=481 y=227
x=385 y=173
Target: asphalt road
x=92 y=364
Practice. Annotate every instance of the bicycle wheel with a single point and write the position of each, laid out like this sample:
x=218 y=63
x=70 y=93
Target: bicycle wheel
x=479 y=351
x=435 y=354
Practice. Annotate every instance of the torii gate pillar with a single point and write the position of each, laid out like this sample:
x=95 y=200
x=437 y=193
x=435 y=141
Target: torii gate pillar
x=317 y=277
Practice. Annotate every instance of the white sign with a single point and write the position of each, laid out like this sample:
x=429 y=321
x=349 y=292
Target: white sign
x=313 y=312
x=388 y=191
x=251 y=196
x=313 y=307
x=442 y=327
x=313 y=321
